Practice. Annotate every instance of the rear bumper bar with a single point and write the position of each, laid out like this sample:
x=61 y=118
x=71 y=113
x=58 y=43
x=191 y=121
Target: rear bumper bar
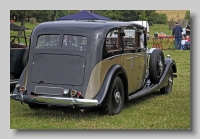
x=54 y=100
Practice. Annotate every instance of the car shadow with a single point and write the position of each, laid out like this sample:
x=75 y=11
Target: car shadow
x=92 y=112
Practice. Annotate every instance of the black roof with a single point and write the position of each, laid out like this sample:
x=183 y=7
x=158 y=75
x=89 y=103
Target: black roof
x=16 y=27
x=85 y=25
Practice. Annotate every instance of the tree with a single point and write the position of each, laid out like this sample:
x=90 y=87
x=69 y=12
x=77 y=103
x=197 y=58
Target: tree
x=142 y=16
x=187 y=15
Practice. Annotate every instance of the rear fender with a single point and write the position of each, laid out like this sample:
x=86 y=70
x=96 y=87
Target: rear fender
x=113 y=72
x=21 y=81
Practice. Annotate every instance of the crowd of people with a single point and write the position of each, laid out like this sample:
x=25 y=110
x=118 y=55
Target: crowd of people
x=182 y=37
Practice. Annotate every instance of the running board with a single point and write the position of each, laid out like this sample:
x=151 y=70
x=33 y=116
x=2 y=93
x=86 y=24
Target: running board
x=144 y=91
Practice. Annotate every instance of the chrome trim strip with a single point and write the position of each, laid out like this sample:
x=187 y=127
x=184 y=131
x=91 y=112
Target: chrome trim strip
x=131 y=58
x=54 y=100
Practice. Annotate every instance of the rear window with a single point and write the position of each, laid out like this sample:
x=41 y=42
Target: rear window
x=73 y=42
x=48 y=42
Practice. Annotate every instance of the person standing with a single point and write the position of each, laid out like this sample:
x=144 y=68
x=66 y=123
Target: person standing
x=188 y=29
x=177 y=33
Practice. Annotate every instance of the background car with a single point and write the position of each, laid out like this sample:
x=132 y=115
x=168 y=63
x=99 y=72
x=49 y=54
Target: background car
x=18 y=53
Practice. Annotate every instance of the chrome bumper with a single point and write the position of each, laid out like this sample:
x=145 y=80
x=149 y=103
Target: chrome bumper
x=54 y=100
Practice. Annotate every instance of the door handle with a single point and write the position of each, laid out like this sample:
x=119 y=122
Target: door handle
x=131 y=58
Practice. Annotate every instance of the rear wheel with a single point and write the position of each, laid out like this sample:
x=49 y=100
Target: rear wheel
x=167 y=89
x=116 y=98
x=37 y=106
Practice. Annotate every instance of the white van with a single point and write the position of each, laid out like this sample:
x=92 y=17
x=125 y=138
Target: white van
x=145 y=24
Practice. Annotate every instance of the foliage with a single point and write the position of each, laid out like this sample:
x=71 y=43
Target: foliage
x=160 y=18
x=40 y=15
x=187 y=15
x=120 y=15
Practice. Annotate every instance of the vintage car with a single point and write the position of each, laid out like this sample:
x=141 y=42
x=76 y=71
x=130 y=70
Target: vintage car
x=18 y=53
x=77 y=64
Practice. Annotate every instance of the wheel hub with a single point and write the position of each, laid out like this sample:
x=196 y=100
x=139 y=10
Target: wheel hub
x=160 y=66
x=170 y=80
x=117 y=96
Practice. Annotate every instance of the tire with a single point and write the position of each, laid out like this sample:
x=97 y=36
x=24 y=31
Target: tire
x=156 y=65
x=25 y=58
x=116 y=98
x=167 y=89
x=37 y=106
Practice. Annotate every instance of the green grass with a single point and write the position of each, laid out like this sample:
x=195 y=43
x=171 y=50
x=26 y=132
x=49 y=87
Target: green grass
x=27 y=25
x=154 y=111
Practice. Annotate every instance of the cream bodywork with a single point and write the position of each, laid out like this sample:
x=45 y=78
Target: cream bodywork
x=129 y=61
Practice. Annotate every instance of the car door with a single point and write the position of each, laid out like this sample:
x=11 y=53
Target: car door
x=142 y=64
x=130 y=60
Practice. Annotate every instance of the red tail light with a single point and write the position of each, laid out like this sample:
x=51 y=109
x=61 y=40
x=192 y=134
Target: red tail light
x=78 y=94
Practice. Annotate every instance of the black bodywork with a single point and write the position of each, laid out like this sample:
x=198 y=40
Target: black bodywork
x=50 y=71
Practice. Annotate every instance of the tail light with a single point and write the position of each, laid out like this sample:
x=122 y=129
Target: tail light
x=22 y=89
x=78 y=94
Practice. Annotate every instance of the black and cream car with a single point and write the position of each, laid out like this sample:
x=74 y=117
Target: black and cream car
x=91 y=64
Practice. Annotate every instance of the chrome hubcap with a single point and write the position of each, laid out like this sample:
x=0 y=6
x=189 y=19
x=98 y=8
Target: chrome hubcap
x=117 y=96
x=170 y=80
x=160 y=65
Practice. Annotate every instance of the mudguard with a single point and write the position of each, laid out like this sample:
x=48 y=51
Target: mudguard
x=169 y=63
x=21 y=80
x=114 y=71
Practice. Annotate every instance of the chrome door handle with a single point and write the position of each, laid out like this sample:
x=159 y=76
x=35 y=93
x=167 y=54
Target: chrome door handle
x=131 y=58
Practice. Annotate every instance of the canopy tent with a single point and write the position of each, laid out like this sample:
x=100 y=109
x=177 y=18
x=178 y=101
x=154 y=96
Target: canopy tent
x=84 y=15
x=16 y=27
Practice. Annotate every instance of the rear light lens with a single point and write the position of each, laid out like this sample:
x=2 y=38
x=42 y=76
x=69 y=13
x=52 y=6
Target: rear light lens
x=78 y=94
x=65 y=91
x=22 y=89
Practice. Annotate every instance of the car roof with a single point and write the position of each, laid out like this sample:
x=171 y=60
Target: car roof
x=87 y=25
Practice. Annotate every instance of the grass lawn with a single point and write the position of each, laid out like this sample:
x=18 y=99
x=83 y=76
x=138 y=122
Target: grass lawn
x=153 y=111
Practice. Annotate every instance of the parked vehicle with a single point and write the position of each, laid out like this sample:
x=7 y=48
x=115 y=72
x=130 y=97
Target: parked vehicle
x=79 y=64
x=18 y=53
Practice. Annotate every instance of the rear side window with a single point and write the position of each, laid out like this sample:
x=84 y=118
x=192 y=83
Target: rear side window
x=73 y=42
x=48 y=42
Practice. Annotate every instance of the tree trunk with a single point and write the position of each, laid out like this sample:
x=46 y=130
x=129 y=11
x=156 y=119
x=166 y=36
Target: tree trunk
x=23 y=21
